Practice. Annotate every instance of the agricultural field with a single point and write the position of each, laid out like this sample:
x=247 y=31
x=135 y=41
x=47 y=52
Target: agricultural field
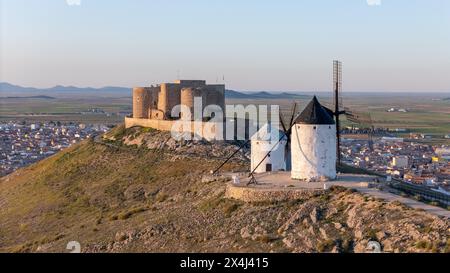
x=426 y=113
x=65 y=109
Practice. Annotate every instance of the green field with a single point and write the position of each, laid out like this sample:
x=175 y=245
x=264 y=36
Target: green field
x=424 y=115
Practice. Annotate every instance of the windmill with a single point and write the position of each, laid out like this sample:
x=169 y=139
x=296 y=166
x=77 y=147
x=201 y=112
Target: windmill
x=286 y=134
x=336 y=113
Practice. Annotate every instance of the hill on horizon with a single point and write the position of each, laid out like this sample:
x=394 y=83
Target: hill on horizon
x=10 y=90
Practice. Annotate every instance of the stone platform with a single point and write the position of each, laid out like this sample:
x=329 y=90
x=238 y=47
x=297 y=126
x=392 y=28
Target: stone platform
x=278 y=186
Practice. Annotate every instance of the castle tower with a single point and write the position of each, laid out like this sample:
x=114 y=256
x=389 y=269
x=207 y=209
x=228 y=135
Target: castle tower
x=141 y=102
x=261 y=143
x=188 y=95
x=313 y=144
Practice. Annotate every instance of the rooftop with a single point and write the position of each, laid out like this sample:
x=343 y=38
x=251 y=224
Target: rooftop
x=315 y=113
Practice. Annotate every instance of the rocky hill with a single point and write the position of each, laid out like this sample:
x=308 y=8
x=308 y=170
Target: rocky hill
x=140 y=191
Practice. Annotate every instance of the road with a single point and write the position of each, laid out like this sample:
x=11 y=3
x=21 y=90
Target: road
x=390 y=197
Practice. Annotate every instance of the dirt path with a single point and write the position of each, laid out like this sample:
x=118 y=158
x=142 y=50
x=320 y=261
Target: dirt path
x=407 y=201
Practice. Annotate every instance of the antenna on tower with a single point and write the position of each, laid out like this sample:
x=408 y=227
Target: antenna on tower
x=337 y=87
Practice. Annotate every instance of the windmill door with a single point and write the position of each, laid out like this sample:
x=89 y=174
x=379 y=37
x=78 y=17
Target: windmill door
x=268 y=167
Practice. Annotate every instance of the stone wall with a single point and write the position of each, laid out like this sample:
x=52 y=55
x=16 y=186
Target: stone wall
x=206 y=130
x=248 y=194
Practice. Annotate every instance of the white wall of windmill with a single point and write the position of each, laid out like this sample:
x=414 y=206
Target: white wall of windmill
x=274 y=162
x=313 y=152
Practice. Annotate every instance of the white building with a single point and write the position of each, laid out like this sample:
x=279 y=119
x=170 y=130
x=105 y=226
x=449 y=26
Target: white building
x=391 y=139
x=262 y=143
x=313 y=144
x=400 y=161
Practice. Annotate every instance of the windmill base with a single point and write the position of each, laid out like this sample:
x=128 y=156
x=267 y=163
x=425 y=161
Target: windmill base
x=279 y=186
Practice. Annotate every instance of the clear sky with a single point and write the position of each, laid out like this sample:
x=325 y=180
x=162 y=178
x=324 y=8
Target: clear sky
x=399 y=45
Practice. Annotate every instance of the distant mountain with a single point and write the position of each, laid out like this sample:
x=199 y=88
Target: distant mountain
x=31 y=97
x=231 y=94
x=10 y=90
x=7 y=89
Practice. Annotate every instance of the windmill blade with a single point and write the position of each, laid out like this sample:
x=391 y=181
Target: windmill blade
x=288 y=142
x=329 y=111
x=294 y=108
x=231 y=156
x=282 y=124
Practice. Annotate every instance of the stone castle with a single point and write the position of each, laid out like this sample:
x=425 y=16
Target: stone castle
x=157 y=102
x=152 y=106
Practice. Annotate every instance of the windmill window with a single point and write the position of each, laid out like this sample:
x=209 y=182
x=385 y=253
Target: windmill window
x=314 y=127
x=329 y=127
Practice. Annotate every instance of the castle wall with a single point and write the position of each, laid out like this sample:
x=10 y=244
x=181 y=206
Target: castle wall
x=154 y=94
x=169 y=97
x=215 y=95
x=191 y=83
x=204 y=130
x=158 y=102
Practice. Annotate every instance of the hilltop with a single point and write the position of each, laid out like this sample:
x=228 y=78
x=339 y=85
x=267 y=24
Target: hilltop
x=138 y=190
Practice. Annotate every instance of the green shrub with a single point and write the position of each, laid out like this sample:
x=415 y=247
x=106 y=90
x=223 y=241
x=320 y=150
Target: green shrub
x=161 y=197
x=128 y=214
x=266 y=238
x=229 y=208
x=325 y=246
x=422 y=244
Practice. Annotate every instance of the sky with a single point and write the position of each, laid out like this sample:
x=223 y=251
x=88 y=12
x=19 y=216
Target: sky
x=385 y=45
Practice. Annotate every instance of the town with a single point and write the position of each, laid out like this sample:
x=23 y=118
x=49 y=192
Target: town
x=23 y=144
x=401 y=159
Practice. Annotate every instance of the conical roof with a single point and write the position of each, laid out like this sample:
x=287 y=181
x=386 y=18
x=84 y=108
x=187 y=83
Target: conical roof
x=315 y=113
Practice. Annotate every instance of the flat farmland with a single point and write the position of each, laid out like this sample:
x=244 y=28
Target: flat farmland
x=426 y=113
x=65 y=109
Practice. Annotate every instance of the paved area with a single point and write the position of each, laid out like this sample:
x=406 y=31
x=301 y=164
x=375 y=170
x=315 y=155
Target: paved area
x=279 y=180
x=362 y=183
